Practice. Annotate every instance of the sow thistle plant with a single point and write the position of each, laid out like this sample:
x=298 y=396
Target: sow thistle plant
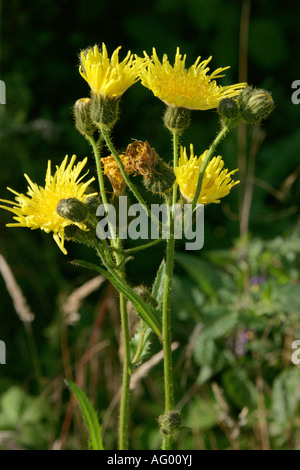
x=68 y=206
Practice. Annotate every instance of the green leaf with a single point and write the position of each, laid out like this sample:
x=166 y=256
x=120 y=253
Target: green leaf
x=210 y=358
x=140 y=343
x=12 y=407
x=287 y=297
x=89 y=415
x=202 y=415
x=239 y=388
x=146 y=311
x=285 y=400
x=219 y=325
x=207 y=277
x=200 y=272
x=158 y=286
x=187 y=299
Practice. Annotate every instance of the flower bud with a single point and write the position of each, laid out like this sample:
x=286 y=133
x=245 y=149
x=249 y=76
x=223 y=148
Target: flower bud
x=104 y=111
x=162 y=179
x=146 y=295
x=228 y=111
x=177 y=119
x=82 y=114
x=72 y=209
x=255 y=104
x=169 y=422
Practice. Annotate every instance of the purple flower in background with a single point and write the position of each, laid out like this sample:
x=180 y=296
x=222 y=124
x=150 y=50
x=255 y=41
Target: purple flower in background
x=257 y=280
x=242 y=339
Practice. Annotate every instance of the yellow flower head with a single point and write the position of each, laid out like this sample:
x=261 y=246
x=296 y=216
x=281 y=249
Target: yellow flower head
x=216 y=183
x=38 y=209
x=189 y=88
x=109 y=77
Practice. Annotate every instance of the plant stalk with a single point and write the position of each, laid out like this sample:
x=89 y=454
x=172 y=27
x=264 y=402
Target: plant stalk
x=166 y=313
x=116 y=243
x=124 y=402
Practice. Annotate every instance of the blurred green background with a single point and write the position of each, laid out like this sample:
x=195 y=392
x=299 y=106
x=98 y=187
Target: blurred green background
x=251 y=238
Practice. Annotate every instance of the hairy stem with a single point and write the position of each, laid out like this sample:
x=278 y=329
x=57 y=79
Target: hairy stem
x=119 y=256
x=166 y=313
x=124 y=402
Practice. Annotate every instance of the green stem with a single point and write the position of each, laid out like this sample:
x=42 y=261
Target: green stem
x=99 y=169
x=102 y=184
x=115 y=242
x=166 y=313
x=175 y=162
x=209 y=155
x=144 y=246
x=124 y=402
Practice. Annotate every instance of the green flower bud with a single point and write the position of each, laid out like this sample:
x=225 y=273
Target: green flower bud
x=255 y=104
x=72 y=209
x=82 y=114
x=104 y=111
x=161 y=180
x=169 y=422
x=177 y=119
x=229 y=112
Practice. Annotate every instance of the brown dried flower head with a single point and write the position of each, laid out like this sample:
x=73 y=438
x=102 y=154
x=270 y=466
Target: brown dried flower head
x=113 y=172
x=143 y=158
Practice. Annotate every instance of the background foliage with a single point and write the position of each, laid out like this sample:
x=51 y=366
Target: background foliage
x=236 y=302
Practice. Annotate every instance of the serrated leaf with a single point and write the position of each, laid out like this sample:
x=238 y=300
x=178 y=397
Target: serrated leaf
x=140 y=343
x=146 y=311
x=89 y=415
x=158 y=286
